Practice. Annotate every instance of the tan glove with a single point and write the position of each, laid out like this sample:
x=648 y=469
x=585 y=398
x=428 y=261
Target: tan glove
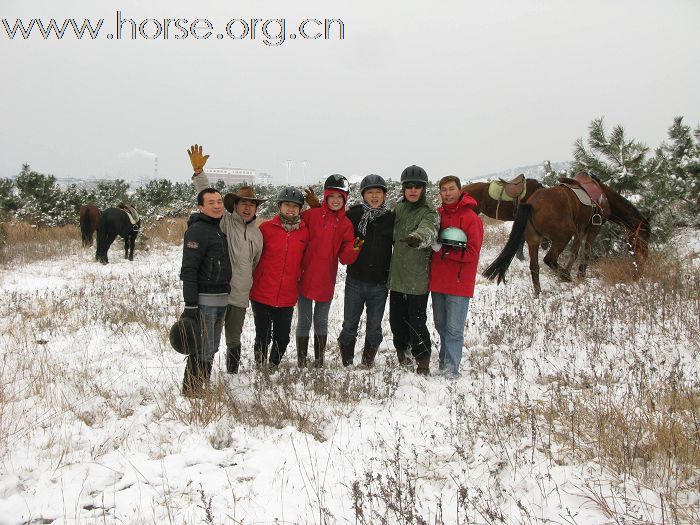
x=197 y=159
x=311 y=199
x=358 y=243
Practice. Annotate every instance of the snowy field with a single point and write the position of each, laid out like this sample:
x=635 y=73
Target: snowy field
x=580 y=407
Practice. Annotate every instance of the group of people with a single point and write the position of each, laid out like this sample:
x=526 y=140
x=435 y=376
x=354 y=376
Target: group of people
x=292 y=260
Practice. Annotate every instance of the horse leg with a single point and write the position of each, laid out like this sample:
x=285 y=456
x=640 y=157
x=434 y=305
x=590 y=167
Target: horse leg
x=108 y=240
x=565 y=273
x=132 y=245
x=590 y=237
x=552 y=257
x=126 y=246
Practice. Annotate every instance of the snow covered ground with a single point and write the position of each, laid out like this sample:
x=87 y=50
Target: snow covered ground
x=554 y=418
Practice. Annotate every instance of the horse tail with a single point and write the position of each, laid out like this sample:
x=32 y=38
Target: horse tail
x=85 y=230
x=500 y=265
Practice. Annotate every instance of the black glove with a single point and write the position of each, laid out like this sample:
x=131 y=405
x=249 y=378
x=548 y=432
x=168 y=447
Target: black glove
x=412 y=240
x=190 y=311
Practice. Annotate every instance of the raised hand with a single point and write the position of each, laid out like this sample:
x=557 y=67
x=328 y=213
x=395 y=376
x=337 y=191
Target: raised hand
x=197 y=159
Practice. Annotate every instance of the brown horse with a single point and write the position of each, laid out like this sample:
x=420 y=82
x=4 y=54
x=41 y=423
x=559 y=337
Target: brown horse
x=503 y=211
x=89 y=220
x=556 y=214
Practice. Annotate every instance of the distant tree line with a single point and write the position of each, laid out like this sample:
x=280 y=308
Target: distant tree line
x=664 y=184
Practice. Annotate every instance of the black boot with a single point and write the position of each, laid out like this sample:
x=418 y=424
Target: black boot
x=260 y=354
x=401 y=354
x=233 y=359
x=319 y=349
x=192 y=383
x=347 y=352
x=423 y=364
x=302 y=350
x=276 y=355
x=368 y=354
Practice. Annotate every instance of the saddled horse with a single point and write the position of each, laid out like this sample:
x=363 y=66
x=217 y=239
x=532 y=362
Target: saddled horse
x=502 y=209
x=122 y=221
x=508 y=195
x=557 y=214
x=89 y=221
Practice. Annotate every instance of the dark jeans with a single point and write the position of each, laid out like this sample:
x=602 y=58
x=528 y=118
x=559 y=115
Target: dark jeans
x=271 y=325
x=357 y=295
x=212 y=320
x=408 y=317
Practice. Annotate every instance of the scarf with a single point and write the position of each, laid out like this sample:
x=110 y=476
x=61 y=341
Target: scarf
x=290 y=224
x=370 y=215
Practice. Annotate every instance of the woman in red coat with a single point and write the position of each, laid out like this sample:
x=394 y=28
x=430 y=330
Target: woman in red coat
x=275 y=279
x=453 y=270
x=331 y=239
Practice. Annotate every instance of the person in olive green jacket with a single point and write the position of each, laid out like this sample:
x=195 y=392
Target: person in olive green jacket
x=415 y=230
x=245 y=244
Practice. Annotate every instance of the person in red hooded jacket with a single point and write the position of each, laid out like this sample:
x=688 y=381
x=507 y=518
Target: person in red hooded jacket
x=275 y=279
x=331 y=239
x=453 y=270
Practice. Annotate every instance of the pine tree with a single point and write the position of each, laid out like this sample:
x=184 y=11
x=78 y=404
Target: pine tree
x=618 y=161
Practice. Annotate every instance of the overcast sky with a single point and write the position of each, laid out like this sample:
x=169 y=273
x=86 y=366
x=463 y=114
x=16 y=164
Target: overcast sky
x=458 y=87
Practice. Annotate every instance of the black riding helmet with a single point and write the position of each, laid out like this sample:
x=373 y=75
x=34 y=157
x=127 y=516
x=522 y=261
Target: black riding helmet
x=372 y=181
x=414 y=174
x=337 y=182
x=290 y=194
x=185 y=336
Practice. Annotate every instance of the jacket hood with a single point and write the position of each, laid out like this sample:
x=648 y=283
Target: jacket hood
x=465 y=201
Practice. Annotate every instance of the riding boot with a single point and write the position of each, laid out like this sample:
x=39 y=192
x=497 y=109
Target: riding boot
x=319 y=349
x=423 y=364
x=276 y=355
x=302 y=350
x=233 y=359
x=347 y=352
x=368 y=354
x=260 y=354
x=192 y=381
x=404 y=360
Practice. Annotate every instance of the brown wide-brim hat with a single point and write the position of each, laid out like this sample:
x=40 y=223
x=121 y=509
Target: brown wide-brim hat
x=244 y=192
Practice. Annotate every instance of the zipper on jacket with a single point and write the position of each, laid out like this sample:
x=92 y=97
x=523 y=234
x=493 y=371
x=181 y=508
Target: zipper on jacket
x=284 y=267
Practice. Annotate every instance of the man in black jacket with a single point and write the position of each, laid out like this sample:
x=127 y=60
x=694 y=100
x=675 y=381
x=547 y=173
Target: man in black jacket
x=365 y=283
x=205 y=276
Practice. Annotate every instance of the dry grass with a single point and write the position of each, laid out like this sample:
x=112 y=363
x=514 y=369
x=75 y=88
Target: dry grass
x=22 y=243
x=589 y=375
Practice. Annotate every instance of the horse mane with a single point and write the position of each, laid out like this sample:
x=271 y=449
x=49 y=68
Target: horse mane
x=625 y=214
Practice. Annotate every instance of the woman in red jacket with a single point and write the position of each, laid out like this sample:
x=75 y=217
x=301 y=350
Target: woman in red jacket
x=453 y=270
x=275 y=279
x=331 y=238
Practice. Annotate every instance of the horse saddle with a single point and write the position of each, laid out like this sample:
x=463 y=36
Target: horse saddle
x=589 y=192
x=508 y=190
x=131 y=213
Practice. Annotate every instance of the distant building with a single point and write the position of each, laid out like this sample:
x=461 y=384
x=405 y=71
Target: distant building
x=231 y=176
x=263 y=178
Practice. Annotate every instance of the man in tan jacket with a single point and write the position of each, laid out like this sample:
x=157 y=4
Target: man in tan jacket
x=245 y=244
